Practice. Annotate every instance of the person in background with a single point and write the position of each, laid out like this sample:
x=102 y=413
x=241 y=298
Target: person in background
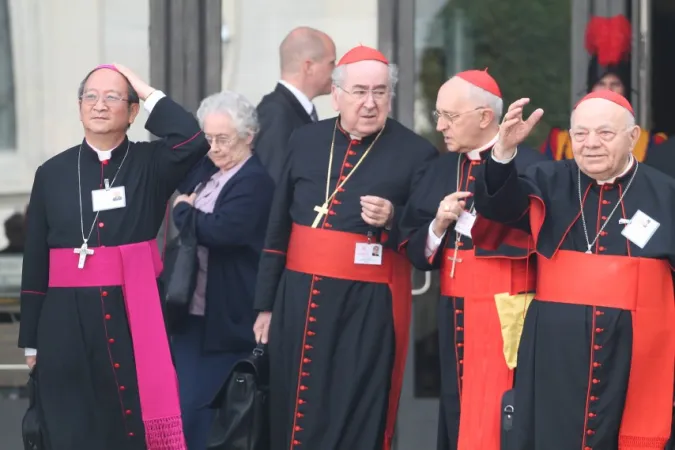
x=15 y=231
x=608 y=41
x=477 y=361
x=232 y=207
x=307 y=60
x=337 y=317
x=91 y=317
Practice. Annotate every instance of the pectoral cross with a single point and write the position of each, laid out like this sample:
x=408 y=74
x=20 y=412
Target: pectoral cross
x=321 y=211
x=454 y=260
x=83 y=251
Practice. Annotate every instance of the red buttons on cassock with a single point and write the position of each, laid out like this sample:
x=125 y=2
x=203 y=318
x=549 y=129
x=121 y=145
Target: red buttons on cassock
x=311 y=333
x=312 y=319
x=315 y=292
x=599 y=330
x=596 y=381
x=597 y=347
x=308 y=347
x=596 y=364
x=131 y=434
x=591 y=415
x=107 y=317
x=105 y=162
x=605 y=202
x=307 y=360
x=601 y=249
x=111 y=340
x=303 y=388
x=116 y=365
x=313 y=305
x=101 y=225
x=352 y=152
x=327 y=225
x=122 y=388
x=128 y=412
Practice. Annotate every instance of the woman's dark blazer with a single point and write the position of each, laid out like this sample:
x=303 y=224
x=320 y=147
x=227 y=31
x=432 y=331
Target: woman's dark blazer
x=234 y=235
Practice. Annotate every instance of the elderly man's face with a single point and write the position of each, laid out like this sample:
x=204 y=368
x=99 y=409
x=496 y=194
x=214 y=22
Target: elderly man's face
x=602 y=138
x=364 y=98
x=104 y=106
x=461 y=120
x=227 y=148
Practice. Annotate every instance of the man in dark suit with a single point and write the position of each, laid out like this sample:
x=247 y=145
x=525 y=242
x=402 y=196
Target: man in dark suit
x=307 y=61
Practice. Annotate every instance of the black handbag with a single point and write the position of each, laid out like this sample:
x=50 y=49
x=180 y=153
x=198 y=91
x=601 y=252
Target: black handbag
x=179 y=276
x=242 y=406
x=508 y=411
x=31 y=425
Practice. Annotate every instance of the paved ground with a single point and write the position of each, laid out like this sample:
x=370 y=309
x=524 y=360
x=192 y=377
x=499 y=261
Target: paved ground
x=11 y=412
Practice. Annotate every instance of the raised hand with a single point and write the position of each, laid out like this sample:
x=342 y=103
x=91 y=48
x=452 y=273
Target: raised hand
x=514 y=129
x=142 y=88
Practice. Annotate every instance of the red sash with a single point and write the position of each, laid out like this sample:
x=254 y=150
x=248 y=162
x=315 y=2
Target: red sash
x=645 y=288
x=329 y=253
x=485 y=374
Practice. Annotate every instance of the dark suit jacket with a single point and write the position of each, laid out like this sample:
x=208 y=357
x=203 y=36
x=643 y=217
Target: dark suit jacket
x=662 y=157
x=279 y=113
x=234 y=234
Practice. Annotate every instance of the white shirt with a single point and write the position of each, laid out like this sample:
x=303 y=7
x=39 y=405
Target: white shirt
x=104 y=155
x=302 y=98
x=434 y=241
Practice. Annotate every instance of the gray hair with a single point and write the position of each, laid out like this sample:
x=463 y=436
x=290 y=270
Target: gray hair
x=485 y=98
x=242 y=112
x=339 y=74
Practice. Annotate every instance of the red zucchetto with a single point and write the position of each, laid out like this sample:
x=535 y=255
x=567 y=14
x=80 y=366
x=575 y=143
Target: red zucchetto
x=481 y=79
x=362 y=53
x=611 y=96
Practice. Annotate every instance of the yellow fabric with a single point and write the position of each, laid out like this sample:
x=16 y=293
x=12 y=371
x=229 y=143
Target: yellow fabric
x=511 y=310
x=564 y=148
x=640 y=150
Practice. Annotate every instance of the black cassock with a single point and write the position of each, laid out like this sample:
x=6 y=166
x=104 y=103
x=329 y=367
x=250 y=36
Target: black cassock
x=351 y=350
x=80 y=333
x=574 y=360
x=439 y=181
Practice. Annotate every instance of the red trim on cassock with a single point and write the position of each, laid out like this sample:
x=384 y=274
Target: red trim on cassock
x=644 y=287
x=278 y=252
x=328 y=253
x=34 y=292
x=489 y=235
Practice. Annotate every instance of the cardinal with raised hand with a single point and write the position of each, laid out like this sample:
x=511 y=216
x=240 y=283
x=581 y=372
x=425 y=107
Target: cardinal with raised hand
x=91 y=317
x=334 y=295
x=596 y=358
x=478 y=322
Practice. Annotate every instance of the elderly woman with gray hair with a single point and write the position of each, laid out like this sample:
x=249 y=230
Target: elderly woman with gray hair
x=232 y=194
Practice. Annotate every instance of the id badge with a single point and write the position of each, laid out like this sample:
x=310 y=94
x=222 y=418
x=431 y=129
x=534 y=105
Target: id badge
x=640 y=229
x=106 y=199
x=465 y=223
x=370 y=254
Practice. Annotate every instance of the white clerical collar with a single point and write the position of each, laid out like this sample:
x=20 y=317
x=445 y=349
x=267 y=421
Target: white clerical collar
x=302 y=98
x=103 y=155
x=474 y=155
x=625 y=171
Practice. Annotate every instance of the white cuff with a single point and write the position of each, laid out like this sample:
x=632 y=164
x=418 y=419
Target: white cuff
x=152 y=100
x=503 y=161
x=29 y=352
x=433 y=242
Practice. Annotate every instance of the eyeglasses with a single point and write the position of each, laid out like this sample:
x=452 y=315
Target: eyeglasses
x=362 y=94
x=92 y=98
x=220 y=140
x=606 y=135
x=451 y=118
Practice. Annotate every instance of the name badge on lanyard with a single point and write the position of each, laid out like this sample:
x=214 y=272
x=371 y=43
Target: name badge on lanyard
x=108 y=198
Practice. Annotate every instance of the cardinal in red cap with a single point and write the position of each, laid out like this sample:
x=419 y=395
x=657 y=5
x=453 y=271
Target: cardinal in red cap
x=598 y=340
x=331 y=278
x=437 y=235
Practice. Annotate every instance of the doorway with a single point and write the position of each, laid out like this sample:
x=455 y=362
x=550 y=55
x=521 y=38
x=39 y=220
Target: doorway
x=663 y=66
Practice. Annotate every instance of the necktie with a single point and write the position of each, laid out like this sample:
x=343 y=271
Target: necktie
x=314 y=115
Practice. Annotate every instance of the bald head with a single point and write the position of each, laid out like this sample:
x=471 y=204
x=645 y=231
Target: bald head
x=303 y=44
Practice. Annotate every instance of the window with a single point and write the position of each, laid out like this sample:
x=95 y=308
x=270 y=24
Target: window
x=7 y=102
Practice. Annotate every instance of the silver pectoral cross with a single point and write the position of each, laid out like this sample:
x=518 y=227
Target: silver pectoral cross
x=83 y=251
x=321 y=211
